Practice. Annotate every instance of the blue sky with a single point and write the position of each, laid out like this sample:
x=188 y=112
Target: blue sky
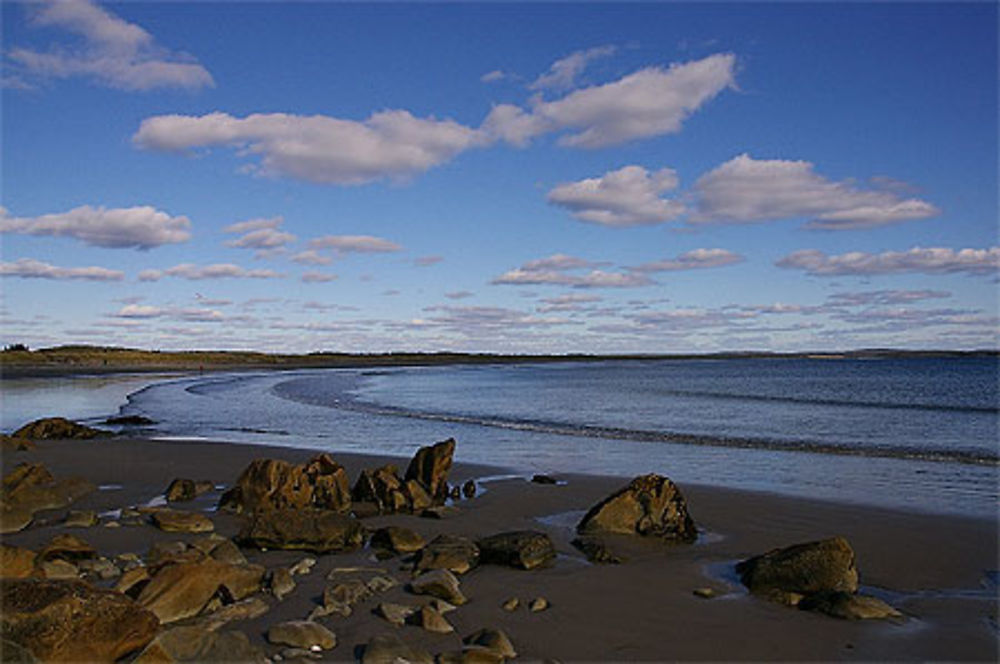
x=500 y=177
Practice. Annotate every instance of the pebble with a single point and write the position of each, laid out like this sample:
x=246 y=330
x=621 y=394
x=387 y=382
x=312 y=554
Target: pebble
x=538 y=604
x=511 y=604
x=704 y=593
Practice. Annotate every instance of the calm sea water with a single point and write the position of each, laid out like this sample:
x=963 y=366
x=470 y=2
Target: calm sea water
x=919 y=434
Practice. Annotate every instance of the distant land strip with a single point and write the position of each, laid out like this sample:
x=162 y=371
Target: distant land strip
x=17 y=361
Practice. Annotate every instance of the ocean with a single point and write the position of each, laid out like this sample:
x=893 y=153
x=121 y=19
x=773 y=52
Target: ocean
x=913 y=433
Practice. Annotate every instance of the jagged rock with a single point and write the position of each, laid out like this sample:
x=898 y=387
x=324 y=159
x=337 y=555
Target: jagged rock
x=133 y=581
x=302 y=634
x=441 y=606
x=430 y=466
x=495 y=640
x=181 y=489
x=29 y=488
x=469 y=489
x=15 y=562
x=395 y=613
x=321 y=483
x=439 y=583
x=12 y=444
x=384 y=488
x=525 y=549
x=195 y=643
x=227 y=552
x=177 y=521
x=538 y=604
x=419 y=498
x=320 y=531
x=451 y=552
x=280 y=582
x=81 y=519
x=163 y=553
x=184 y=590
x=390 y=649
x=57 y=428
x=72 y=621
x=596 y=551
x=788 y=574
x=429 y=619
x=397 y=539
x=848 y=606
x=651 y=506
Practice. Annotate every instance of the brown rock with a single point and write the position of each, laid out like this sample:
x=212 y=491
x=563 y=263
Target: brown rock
x=15 y=562
x=57 y=428
x=227 y=552
x=848 y=606
x=524 y=549
x=470 y=655
x=429 y=619
x=320 y=483
x=430 y=466
x=469 y=489
x=164 y=553
x=451 y=552
x=302 y=634
x=66 y=547
x=395 y=613
x=280 y=582
x=801 y=570
x=29 y=488
x=439 y=583
x=177 y=521
x=397 y=539
x=390 y=649
x=81 y=519
x=72 y=621
x=195 y=643
x=384 y=488
x=596 y=550
x=12 y=444
x=492 y=639
x=185 y=590
x=651 y=506
x=133 y=581
x=320 y=531
x=57 y=569
x=184 y=489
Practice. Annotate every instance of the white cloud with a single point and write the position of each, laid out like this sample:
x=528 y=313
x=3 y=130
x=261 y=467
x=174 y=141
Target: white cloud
x=313 y=277
x=29 y=268
x=191 y=315
x=563 y=73
x=559 y=262
x=932 y=260
x=354 y=244
x=629 y=196
x=113 y=52
x=264 y=235
x=139 y=311
x=494 y=76
x=852 y=299
x=476 y=321
x=319 y=148
x=311 y=257
x=693 y=260
x=554 y=271
x=214 y=271
x=745 y=189
x=567 y=302
x=140 y=227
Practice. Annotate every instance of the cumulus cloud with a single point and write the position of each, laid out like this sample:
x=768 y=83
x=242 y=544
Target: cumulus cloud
x=214 y=271
x=650 y=102
x=931 y=260
x=745 y=189
x=113 y=52
x=264 y=235
x=354 y=244
x=318 y=148
x=555 y=270
x=563 y=72
x=29 y=268
x=629 y=196
x=558 y=262
x=696 y=259
x=141 y=227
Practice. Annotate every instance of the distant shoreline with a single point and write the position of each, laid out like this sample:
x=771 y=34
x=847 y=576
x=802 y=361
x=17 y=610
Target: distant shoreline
x=90 y=360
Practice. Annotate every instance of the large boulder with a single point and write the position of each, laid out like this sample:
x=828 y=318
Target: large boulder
x=72 y=621
x=651 y=506
x=397 y=540
x=184 y=590
x=320 y=483
x=430 y=466
x=525 y=549
x=57 y=428
x=789 y=574
x=451 y=552
x=320 y=531
x=29 y=488
x=195 y=643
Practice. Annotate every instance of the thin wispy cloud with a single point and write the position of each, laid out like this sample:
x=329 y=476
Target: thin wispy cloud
x=141 y=227
x=29 y=268
x=931 y=260
x=108 y=50
x=563 y=73
x=696 y=259
x=214 y=271
x=354 y=244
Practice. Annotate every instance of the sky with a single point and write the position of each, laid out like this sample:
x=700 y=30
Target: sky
x=515 y=178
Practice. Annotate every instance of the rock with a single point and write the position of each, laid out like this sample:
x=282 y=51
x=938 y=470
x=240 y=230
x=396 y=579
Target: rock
x=320 y=531
x=57 y=428
x=441 y=606
x=66 y=547
x=395 y=613
x=129 y=421
x=440 y=512
x=397 y=540
x=163 y=553
x=101 y=568
x=184 y=590
x=80 y=519
x=304 y=566
x=72 y=621
x=651 y=506
x=177 y=521
x=12 y=444
x=268 y=484
x=704 y=593
x=430 y=466
x=302 y=634
x=544 y=479
x=340 y=599
x=195 y=643
x=524 y=549
x=428 y=618
x=439 y=583
x=384 y=488
x=29 y=488
x=469 y=489
x=280 y=582
x=495 y=640
x=380 y=584
x=15 y=562
x=451 y=552
x=848 y=606
x=419 y=498
x=57 y=569
x=455 y=493
x=390 y=649
x=227 y=552
x=596 y=551
x=538 y=604
x=511 y=604
x=15 y=654
x=245 y=609
x=787 y=574
x=133 y=581
x=181 y=490
x=470 y=655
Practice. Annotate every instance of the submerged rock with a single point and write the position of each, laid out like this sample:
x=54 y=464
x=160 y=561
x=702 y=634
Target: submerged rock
x=430 y=466
x=58 y=428
x=319 y=531
x=525 y=549
x=651 y=506
x=268 y=484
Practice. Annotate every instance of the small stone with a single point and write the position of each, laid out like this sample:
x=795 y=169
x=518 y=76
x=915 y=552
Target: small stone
x=112 y=524
x=395 y=613
x=492 y=639
x=439 y=583
x=441 y=606
x=302 y=634
x=304 y=566
x=431 y=620
x=704 y=593
x=511 y=604
x=380 y=584
x=455 y=493
x=544 y=479
x=538 y=604
x=81 y=519
x=176 y=521
x=469 y=489
x=281 y=583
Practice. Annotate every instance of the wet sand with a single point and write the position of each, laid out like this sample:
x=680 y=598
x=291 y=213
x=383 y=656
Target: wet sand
x=940 y=571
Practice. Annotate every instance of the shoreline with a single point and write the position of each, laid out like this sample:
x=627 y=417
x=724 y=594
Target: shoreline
x=931 y=567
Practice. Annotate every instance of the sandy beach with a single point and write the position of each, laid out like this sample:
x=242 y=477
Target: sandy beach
x=934 y=569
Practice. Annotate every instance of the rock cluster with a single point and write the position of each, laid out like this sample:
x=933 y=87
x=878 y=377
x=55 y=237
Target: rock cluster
x=57 y=428
x=268 y=484
x=425 y=484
